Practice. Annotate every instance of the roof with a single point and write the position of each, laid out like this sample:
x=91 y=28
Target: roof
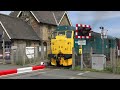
x=96 y=34
x=49 y=17
x=60 y=28
x=6 y=38
x=58 y=15
x=17 y=28
x=14 y=13
x=45 y=17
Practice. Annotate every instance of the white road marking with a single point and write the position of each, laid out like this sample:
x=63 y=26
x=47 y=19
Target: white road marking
x=80 y=73
x=83 y=73
x=72 y=78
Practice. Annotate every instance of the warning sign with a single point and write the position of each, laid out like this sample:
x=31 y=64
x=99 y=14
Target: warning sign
x=80 y=51
x=81 y=42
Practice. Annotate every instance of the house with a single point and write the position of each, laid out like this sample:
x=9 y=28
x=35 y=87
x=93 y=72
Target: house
x=43 y=23
x=17 y=33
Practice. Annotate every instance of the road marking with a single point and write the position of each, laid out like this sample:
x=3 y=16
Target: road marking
x=87 y=72
x=72 y=78
x=80 y=73
x=83 y=73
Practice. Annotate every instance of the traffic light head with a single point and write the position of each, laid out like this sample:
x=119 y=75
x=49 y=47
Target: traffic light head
x=87 y=29
x=83 y=31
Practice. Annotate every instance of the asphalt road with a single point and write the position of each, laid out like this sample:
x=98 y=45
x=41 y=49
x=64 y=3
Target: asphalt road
x=49 y=74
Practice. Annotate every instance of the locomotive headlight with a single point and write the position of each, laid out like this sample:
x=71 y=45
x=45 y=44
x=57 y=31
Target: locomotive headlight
x=52 y=43
x=68 y=43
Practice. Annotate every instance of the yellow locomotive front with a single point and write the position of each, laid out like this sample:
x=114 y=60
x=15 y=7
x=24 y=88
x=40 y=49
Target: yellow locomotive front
x=62 y=43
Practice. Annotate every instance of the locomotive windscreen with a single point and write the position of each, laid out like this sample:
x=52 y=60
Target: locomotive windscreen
x=68 y=34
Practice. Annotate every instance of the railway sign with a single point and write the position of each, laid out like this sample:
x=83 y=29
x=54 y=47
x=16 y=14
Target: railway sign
x=83 y=31
x=81 y=42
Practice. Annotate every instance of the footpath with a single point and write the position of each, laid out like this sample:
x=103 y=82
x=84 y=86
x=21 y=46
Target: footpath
x=99 y=75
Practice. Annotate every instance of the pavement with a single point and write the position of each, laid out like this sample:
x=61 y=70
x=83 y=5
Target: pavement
x=9 y=66
x=101 y=75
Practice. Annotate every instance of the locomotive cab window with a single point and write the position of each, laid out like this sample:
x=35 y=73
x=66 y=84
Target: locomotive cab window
x=54 y=34
x=61 y=33
x=68 y=34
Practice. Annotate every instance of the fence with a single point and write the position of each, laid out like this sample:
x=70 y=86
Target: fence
x=21 y=55
x=112 y=59
x=27 y=55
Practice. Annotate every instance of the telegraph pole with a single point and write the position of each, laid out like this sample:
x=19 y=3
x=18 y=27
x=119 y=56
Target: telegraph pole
x=103 y=35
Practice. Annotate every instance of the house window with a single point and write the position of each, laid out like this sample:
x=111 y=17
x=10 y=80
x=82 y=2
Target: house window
x=49 y=27
x=7 y=45
x=28 y=43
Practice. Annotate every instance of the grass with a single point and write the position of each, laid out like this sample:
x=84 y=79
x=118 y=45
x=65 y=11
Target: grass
x=77 y=68
x=106 y=70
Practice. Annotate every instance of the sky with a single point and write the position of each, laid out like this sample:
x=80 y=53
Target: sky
x=110 y=20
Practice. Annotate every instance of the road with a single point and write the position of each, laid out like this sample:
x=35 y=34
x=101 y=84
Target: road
x=49 y=74
x=52 y=73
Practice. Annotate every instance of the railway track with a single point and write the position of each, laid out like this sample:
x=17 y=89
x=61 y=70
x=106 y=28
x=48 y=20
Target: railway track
x=56 y=67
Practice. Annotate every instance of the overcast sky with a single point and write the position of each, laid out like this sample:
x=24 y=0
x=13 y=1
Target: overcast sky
x=110 y=20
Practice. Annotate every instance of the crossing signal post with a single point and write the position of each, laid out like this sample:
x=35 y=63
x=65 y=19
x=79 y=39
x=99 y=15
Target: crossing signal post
x=82 y=32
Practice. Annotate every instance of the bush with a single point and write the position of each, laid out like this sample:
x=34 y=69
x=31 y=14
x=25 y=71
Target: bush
x=77 y=68
x=108 y=69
